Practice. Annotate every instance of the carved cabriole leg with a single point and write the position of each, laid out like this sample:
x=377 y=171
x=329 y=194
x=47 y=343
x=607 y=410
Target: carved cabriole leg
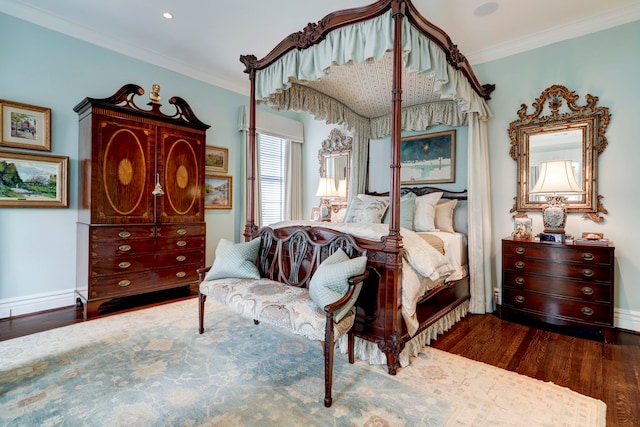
x=201 y=299
x=328 y=361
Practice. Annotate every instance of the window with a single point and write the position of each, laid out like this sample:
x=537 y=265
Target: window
x=272 y=178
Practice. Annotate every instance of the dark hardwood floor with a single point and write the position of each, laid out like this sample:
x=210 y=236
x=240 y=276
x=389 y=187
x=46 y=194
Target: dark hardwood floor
x=609 y=372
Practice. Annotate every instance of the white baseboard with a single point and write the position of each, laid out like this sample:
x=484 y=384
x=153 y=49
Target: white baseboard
x=11 y=307
x=626 y=319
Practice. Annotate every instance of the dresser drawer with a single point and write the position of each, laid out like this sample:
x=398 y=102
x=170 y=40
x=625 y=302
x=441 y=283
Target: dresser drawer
x=181 y=230
x=560 y=253
x=143 y=281
x=588 y=273
x=583 y=311
x=128 y=262
x=560 y=286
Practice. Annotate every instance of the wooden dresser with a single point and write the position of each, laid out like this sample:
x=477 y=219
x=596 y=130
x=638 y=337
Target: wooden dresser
x=141 y=198
x=559 y=283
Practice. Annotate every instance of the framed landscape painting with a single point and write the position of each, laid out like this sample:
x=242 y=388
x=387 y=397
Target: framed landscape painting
x=428 y=158
x=217 y=192
x=25 y=126
x=216 y=160
x=33 y=180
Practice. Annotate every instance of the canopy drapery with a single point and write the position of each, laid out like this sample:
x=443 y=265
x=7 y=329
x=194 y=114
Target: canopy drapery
x=293 y=81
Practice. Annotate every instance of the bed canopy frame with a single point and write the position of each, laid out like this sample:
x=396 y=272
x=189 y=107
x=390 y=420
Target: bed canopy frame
x=377 y=70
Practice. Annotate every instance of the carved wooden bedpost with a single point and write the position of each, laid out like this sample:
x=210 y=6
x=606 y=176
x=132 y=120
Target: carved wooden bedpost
x=250 y=226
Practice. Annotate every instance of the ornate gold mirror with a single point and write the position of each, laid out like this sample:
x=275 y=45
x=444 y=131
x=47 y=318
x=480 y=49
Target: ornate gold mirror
x=559 y=129
x=335 y=163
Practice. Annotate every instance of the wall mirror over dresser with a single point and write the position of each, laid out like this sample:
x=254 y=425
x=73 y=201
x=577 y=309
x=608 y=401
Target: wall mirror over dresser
x=559 y=129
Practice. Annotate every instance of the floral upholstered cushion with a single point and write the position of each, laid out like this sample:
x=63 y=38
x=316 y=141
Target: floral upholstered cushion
x=272 y=302
x=235 y=260
x=330 y=281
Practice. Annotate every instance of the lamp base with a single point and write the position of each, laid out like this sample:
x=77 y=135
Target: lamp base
x=554 y=215
x=553 y=237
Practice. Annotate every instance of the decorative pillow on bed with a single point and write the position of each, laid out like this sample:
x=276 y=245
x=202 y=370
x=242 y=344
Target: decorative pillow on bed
x=424 y=214
x=407 y=203
x=444 y=215
x=369 y=209
x=330 y=282
x=235 y=260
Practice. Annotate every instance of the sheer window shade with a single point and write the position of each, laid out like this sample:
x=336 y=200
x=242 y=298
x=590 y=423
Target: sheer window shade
x=272 y=178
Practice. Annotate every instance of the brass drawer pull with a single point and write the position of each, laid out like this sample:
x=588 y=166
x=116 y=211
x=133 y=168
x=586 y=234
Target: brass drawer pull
x=587 y=256
x=520 y=264
x=520 y=250
x=587 y=290
x=519 y=299
x=124 y=264
x=180 y=258
x=588 y=272
x=124 y=234
x=181 y=274
x=519 y=280
x=181 y=243
x=587 y=311
x=124 y=248
x=181 y=231
x=124 y=283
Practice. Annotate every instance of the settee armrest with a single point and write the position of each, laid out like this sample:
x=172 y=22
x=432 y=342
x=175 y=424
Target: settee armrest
x=202 y=273
x=353 y=282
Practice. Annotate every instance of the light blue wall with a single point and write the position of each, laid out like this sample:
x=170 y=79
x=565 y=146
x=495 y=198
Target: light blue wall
x=48 y=69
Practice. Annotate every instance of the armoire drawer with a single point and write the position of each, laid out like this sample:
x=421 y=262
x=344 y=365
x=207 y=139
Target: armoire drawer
x=128 y=263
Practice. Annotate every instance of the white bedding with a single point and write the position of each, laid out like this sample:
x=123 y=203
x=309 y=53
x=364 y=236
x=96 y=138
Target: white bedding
x=455 y=249
x=421 y=261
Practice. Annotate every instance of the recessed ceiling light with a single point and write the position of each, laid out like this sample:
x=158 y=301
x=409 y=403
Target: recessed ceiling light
x=167 y=15
x=486 y=9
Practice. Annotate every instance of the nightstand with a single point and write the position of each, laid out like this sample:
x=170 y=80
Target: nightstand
x=559 y=283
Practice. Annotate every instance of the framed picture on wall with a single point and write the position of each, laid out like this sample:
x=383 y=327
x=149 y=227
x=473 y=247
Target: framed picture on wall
x=25 y=126
x=216 y=160
x=33 y=180
x=217 y=191
x=428 y=158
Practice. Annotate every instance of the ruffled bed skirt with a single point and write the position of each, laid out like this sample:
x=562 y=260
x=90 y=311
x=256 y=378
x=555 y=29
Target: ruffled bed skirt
x=369 y=351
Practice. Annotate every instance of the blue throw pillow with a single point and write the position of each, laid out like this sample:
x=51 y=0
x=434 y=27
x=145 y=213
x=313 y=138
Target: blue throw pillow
x=235 y=260
x=330 y=281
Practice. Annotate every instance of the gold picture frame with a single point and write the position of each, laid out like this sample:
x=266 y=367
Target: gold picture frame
x=33 y=180
x=428 y=158
x=218 y=191
x=25 y=126
x=216 y=160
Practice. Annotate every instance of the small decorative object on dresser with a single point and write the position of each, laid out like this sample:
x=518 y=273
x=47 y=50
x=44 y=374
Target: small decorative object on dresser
x=521 y=228
x=566 y=284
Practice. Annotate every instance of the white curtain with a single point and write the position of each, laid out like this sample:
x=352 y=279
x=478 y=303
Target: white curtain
x=293 y=181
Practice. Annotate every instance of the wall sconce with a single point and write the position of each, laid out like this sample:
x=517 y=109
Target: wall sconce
x=326 y=191
x=557 y=180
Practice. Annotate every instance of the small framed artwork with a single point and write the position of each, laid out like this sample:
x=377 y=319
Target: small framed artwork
x=428 y=158
x=315 y=214
x=522 y=228
x=216 y=160
x=33 y=180
x=25 y=126
x=217 y=191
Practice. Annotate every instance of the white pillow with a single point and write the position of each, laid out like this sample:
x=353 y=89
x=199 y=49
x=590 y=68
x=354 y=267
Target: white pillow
x=369 y=210
x=444 y=215
x=424 y=212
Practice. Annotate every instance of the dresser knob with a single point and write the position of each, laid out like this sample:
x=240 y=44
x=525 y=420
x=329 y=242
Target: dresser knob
x=181 y=243
x=181 y=232
x=181 y=274
x=587 y=272
x=587 y=311
x=124 y=264
x=519 y=280
x=520 y=299
x=180 y=258
x=124 y=248
x=520 y=250
x=520 y=264
x=587 y=256
x=124 y=234
x=124 y=283
x=587 y=290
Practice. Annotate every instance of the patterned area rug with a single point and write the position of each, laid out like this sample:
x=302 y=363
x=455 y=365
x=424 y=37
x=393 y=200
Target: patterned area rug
x=152 y=368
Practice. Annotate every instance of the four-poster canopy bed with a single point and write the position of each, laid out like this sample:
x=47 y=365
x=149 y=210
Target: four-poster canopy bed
x=378 y=70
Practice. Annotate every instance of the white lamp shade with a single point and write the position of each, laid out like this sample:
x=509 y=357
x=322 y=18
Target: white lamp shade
x=342 y=188
x=556 y=177
x=326 y=188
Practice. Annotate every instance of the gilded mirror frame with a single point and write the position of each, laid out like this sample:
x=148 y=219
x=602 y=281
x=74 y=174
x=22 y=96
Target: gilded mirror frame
x=337 y=145
x=556 y=111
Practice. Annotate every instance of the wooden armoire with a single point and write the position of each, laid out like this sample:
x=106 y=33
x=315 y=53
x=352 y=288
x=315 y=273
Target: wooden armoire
x=141 y=222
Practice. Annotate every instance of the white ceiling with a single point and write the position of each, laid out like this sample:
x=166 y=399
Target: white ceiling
x=206 y=37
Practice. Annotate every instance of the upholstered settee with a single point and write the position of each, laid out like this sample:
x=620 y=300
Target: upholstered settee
x=300 y=279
